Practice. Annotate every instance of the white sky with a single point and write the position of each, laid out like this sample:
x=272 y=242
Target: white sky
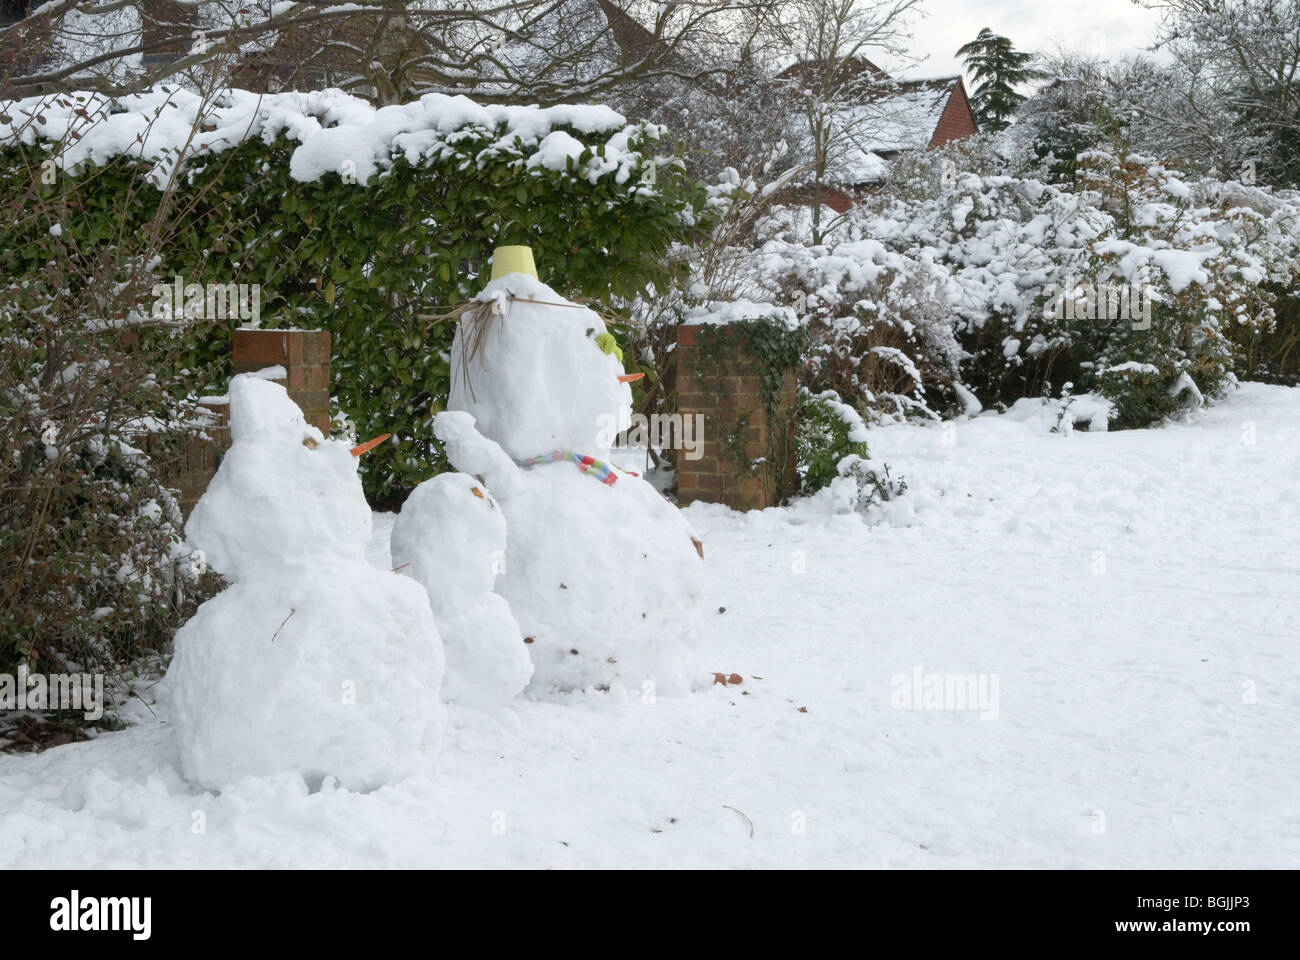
x=1106 y=27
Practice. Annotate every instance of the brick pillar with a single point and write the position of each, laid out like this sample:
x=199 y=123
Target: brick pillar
x=202 y=457
x=737 y=428
x=305 y=356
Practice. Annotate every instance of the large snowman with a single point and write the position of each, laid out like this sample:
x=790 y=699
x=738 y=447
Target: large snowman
x=312 y=660
x=601 y=572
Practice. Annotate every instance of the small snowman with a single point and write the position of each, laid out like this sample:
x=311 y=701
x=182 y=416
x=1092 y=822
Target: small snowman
x=312 y=660
x=451 y=537
x=602 y=572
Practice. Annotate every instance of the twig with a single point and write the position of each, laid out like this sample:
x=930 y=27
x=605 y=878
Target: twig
x=743 y=817
x=292 y=611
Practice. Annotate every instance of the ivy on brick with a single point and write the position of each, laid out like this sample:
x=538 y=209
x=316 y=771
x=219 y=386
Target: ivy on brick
x=772 y=348
x=762 y=347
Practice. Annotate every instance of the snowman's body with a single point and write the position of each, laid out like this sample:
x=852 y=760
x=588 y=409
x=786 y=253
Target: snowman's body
x=451 y=538
x=311 y=661
x=600 y=570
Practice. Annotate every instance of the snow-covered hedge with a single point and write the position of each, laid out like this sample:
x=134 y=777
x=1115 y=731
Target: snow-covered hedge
x=355 y=219
x=335 y=132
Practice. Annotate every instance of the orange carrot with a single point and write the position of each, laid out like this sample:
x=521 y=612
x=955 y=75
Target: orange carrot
x=369 y=445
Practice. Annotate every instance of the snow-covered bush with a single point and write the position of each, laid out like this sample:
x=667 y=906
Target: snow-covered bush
x=976 y=288
x=999 y=239
x=880 y=333
x=1193 y=275
x=872 y=480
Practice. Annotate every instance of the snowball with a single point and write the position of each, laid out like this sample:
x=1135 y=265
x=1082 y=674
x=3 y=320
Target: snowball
x=332 y=673
x=257 y=404
x=605 y=579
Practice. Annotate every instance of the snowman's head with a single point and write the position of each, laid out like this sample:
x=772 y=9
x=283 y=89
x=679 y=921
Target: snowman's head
x=284 y=497
x=536 y=372
x=451 y=536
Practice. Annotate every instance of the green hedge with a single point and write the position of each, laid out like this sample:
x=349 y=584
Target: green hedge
x=364 y=261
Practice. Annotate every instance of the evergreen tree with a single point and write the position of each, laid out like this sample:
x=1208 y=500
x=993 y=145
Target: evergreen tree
x=998 y=69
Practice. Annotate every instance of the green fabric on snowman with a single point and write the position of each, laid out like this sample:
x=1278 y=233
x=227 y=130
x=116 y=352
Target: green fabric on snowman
x=608 y=344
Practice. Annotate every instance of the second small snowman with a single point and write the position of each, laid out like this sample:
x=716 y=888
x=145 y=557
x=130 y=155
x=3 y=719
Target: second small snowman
x=451 y=537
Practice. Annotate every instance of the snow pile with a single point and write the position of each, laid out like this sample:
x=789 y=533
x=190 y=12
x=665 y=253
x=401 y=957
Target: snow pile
x=312 y=661
x=600 y=570
x=1062 y=415
x=336 y=132
x=721 y=313
x=451 y=537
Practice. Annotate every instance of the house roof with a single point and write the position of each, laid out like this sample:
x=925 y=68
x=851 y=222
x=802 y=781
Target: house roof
x=886 y=117
x=908 y=117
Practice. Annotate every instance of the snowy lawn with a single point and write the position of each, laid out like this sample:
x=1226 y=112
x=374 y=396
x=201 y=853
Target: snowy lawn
x=1131 y=602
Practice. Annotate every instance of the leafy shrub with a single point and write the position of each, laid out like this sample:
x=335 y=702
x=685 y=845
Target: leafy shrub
x=875 y=484
x=827 y=430
x=1199 y=268
x=94 y=417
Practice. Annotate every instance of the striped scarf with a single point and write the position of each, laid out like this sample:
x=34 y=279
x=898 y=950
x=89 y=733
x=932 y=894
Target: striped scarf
x=598 y=469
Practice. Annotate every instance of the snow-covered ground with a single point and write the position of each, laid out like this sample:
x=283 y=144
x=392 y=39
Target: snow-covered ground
x=1130 y=601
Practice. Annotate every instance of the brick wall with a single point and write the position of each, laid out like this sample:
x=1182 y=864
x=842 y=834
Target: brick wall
x=736 y=428
x=200 y=459
x=305 y=356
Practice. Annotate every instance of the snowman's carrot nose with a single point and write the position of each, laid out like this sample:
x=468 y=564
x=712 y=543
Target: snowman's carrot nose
x=630 y=377
x=369 y=445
